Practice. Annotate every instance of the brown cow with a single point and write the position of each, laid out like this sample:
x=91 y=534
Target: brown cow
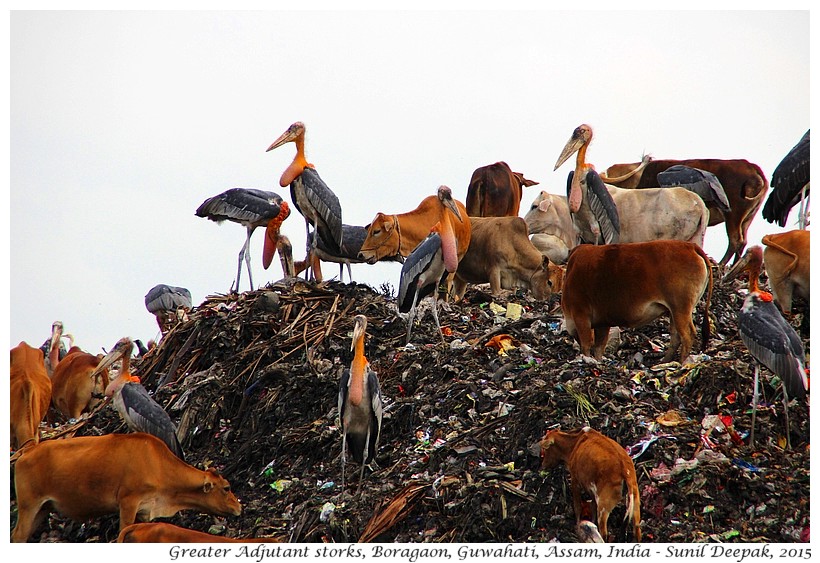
x=787 y=259
x=630 y=285
x=495 y=191
x=501 y=253
x=79 y=381
x=744 y=183
x=598 y=465
x=91 y=476
x=30 y=394
x=163 y=532
x=398 y=235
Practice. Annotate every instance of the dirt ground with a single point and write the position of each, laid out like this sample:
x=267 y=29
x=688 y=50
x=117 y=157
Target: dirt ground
x=252 y=382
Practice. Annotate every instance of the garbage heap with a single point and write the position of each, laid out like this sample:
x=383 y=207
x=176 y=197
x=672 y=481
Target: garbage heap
x=252 y=382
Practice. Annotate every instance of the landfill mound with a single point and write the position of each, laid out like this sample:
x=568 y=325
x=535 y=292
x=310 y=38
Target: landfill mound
x=252 y=382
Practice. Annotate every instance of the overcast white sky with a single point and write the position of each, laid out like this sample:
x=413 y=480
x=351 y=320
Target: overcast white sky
x=122 y=123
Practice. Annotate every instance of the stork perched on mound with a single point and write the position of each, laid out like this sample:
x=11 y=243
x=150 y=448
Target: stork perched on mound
x=136 y=407
x=163 y=301
x=429 y=264
x=593 y=210
x=790 y=185
x=251 y=208
x=769 y=337
x=315 y=201
x=360 y=405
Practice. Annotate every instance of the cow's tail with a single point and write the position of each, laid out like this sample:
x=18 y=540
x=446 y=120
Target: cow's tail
x=706 y=331
x=767 y=240
x=474 y=202
x=633 y=506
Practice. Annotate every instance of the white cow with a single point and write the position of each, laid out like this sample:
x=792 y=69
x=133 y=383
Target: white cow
x=550 y=226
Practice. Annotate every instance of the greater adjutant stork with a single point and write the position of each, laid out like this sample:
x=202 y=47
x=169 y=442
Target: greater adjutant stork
x=592 y=208
x=136 y=407
x=315 y=201
x=360 y=405
x=701 y=182
x=251 y=208
x=53 y=348
x=790 y=185
x=769 y=337
x=428 y=264
x=163 y=301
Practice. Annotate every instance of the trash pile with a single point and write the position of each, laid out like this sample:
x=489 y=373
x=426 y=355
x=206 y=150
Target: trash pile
x=252 y=382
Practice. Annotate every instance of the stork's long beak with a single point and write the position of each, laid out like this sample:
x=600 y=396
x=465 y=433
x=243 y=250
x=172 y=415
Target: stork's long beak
x=451 y=205
x=124 y=346
x=285 y=250
x=739 y=267
x=358 y=330
x=56 y=334
x=575 y=142
x=289 y=135
x=272 y=235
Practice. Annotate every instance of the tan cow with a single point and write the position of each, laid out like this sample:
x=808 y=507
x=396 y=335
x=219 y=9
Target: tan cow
x=495 y=191
x=163 y=532
x=551 y=228
x=598 y=465
x=630 y=285
x=787 y=259
x=133 y=474
x=744 y=183
x=30 y=394
x=502 y=255
x=79 y=381
x=393 y=235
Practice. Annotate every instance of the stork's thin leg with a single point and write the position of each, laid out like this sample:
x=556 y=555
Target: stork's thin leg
x=801 y=216
x=349 y=275
x=411 y=315
x=344 y=449
x=786 y=413
x=364 y=460
x=754 y=406
x=242 y=253
x=308 y=247
x=435 y=315
x=248 y=264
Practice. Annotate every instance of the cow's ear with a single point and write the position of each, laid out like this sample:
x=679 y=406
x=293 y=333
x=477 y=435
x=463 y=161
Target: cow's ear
x=387 y=226
x=527 y=183
x=545 y=262
x=367 y=227
x=208 y=486
x=545 y=204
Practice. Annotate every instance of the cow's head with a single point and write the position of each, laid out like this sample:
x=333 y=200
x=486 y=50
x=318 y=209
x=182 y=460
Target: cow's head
x=217 y=496
x=540 y=283
x=383 y=239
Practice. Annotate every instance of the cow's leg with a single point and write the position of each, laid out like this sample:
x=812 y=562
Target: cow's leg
x=29 y=518
x=495 y=280
x=606 y=502
x=601 y=338
x=128 y=511
x=575 y=487
x=583 y=330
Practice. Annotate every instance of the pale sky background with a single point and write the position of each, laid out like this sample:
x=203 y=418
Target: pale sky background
x=122 y=123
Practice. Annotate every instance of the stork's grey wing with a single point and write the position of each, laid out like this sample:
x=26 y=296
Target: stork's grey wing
x=414 y=265
x=701 y=182
x=376 y=420
x=148 y=416
x=788 y=180
x=344 y=382
x=770 y=341
x=167 y=298
x=241 y=205
x=603 y=207
x=327 y=205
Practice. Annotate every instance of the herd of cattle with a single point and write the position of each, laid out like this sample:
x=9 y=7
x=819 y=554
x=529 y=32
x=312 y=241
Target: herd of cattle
x=657 y=267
